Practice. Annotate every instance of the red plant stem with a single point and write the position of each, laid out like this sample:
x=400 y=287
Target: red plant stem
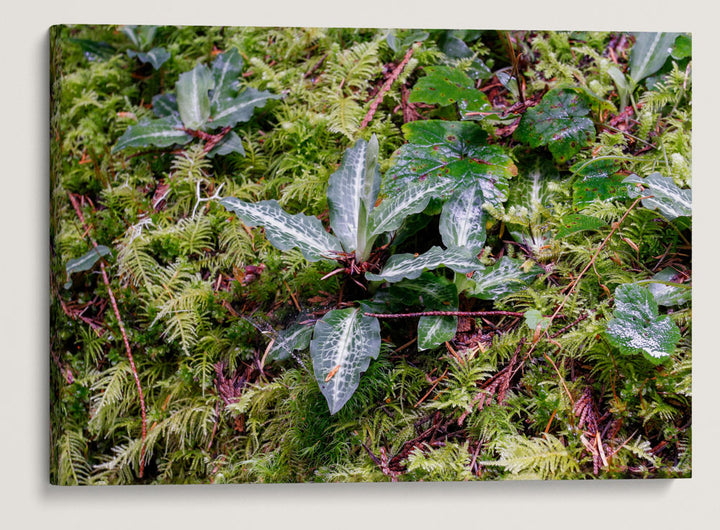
x=106 y=280
x=445 y=314
x=386 y=86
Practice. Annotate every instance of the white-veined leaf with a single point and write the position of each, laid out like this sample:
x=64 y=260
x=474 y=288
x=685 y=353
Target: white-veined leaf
x=286 y=231
x=229 y=112
x=192 y=96
x=295 y=337
x=87 y=260
x=649 y=53
x=670 y=200
x=392 y=211
x=231 y=143
x=160 y=133
x=504 y=277
x=226 y=69
x=156 y=57
x=351 y=194
x=462 y=222
x=411 y=266
x=343 y=343
x=434 y=330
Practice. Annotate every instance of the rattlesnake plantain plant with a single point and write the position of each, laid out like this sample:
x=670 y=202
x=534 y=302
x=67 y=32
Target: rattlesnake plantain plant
x=344 y=340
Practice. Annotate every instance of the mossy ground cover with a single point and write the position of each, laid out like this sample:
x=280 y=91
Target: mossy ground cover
x=569 y=352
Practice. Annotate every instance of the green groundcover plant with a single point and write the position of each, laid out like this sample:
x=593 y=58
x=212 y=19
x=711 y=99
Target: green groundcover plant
x=318 y=254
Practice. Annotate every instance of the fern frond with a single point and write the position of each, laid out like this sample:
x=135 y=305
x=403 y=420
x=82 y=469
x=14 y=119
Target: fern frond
x=545 y=458
x=73 y=468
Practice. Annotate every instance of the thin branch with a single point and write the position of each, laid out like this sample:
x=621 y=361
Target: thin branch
x=106 y=280
x=386 y=86
x=446 y=314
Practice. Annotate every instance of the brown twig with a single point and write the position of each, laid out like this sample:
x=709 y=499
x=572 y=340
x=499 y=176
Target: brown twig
x=126 y=342
x=445 y=314
x=386 y=86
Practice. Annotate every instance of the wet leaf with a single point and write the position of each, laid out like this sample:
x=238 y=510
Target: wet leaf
x=156 y=57
x=411 y=266
x=192 y=96
x=670 y=200
x=637 y=326
x=87 y=260
x=669 y=295
x=560 y=121
x=294 y=338
x=164 y=132
x=444 y=85
x=435 y=330
x=343 y=343
x=453 y=151
x=462 y=221
x=504 y=277
x=598 y=180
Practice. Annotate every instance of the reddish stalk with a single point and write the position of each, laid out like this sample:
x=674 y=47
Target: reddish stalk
x=106 y=280
x=446 y=314
x=386 y=86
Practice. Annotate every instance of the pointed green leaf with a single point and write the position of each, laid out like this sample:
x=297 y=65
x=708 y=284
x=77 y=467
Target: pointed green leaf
x=231 y=143
x=286 y=231
x=226 y=69
x=156 y=57
x=87 y=260
x=462 y=221
x=343 y=343
x=504 y=277
x=394 y=209
x=293 y=338
x=560 y=121
x=229 y=112
x=668 y=295
x=456 y=151
x=435 y=330
x=534 y=318
x=351 y=194
x=670 y=200
x=165 y=105
x=160 y=133
x=140 y=36
x=192 y=96
x=444 y=85
x=637 y=326
x=649 y=53
x=411 y=266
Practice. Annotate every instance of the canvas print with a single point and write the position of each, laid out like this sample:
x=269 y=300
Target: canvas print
x=291 y=255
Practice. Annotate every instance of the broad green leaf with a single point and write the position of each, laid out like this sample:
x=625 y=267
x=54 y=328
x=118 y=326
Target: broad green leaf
x=575 y=222
x=456 y=151
x=343 y=343
x=226 y=69
x=462 y=221
x=411 y=266
x=444 y=85
x=390 y=214
x=231 y=143
x=94 y=50
x=670 y=200
x=598 y=180
x=87 y=260
x=229 y=112
x=435 y=330
x=351 y=194
x=560 y=121
x=429 y=291
x=683 y=48
x=160 y=133
x=294 y=338
x=649 y=53
x=504 y=277
x=165 y=105
x=192 y=96
x=637 y=326
x=668 y=295
x=286 y=231
x=156 y=57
